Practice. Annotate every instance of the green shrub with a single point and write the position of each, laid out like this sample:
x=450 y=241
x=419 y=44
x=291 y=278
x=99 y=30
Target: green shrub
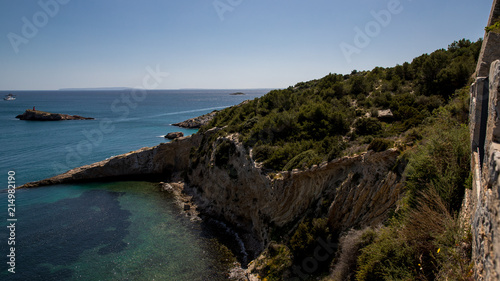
x=305 y=238
x=278 y=261
x=493 y=28
x=303 y=160
x=334 y=148
x=367 y=126
x=441 y=162
x=250 y=123
x=223 y=152
x=379 y=145
x=389 y=257
x=262 y=152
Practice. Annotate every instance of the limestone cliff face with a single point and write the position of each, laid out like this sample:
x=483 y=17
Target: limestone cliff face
x=160 y=160
x=354 y=191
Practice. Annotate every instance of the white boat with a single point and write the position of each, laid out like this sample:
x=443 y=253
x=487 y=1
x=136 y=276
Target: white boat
x=9 y=97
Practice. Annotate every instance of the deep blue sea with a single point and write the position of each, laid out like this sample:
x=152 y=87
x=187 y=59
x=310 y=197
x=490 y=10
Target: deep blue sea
x=100 y=231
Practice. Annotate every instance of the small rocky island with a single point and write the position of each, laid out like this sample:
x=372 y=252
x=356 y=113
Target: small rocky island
x=174 y=135
x=37 y=115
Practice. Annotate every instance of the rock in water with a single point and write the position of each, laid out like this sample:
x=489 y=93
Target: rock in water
x=36 y=115
x=174 y=135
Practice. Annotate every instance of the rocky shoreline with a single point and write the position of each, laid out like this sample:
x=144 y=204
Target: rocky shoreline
x=197 y=122
x=37 y=115
x=183 y=201
x=189 y=208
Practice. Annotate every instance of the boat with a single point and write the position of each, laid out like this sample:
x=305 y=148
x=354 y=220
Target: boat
x=9 y=97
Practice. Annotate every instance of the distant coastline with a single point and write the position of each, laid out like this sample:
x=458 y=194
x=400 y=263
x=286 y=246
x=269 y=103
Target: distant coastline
x=229 y=91
x=97 y=89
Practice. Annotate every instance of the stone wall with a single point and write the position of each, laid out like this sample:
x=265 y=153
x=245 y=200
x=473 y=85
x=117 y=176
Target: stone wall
x=485 y=165
x=495 y=13
x=484 y=200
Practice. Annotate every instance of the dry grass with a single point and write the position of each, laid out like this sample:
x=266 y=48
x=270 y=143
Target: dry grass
x=344 y=266
x=442 y=244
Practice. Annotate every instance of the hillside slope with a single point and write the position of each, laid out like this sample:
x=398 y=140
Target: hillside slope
x=339 y=114
x=381 y=152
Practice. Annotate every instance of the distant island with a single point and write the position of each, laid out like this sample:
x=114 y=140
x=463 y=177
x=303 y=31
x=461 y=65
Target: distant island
x=97 y=89
x=37 y=115
x=237 y=94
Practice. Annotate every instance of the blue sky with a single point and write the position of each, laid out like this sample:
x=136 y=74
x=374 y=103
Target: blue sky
x=219 y=44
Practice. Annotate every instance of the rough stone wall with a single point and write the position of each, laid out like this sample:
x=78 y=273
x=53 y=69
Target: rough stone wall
x=486 y=185
x=484 y=200
x=490 y=50
x=495 y=13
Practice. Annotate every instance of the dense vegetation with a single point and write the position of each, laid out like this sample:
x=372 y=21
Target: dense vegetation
x=425 y=240
x=338 y=115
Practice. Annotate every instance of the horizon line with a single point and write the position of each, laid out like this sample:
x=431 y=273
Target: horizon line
x=130 y=88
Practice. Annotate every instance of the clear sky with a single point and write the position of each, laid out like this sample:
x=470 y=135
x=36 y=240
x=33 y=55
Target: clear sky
x=221 y=44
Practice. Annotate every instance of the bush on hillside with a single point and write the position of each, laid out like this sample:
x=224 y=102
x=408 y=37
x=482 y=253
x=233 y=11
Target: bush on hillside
x=379 y=145
x=368 y=126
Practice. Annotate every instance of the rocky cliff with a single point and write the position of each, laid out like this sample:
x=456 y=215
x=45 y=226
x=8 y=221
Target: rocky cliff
x=197 y=122
x=146 y=163
x=37 y=115
x=351 y=191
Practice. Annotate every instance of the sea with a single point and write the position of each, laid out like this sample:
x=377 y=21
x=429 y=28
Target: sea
x=102 y=230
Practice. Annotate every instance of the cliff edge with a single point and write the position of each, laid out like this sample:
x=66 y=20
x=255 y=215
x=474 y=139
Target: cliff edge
x=149 y=162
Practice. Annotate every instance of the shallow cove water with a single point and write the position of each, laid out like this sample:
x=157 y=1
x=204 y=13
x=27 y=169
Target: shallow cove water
x=101 y=231
x=109 y=231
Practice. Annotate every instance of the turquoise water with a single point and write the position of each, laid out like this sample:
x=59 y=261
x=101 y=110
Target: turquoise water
x=101 y=231
x=112 y=231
